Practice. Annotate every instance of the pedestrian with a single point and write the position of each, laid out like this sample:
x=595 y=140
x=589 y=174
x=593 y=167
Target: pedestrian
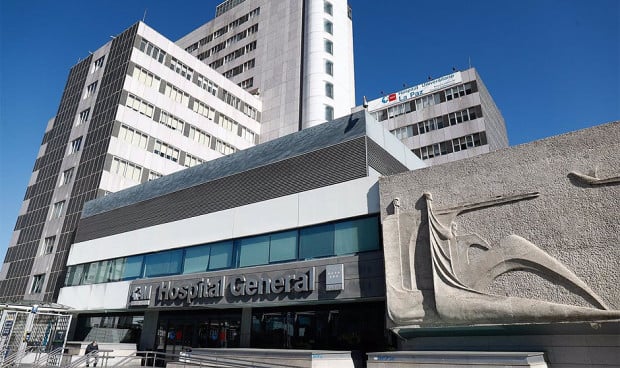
x=92 y=353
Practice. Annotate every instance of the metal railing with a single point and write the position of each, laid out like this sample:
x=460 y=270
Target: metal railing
x=14 y=360
x=43 y=359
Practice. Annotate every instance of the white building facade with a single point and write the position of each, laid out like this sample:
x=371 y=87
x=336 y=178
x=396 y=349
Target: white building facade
x=297 y=55
x=444 y=119
x=138 y=108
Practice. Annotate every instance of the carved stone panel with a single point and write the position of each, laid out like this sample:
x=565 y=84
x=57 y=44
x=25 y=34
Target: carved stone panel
x=510 y=237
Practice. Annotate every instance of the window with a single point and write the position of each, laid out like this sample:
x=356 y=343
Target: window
x=133 y=137
x=196 y=259
x=329 y=113
x=154 y=175
x=166 y=151
x=316 y=241
x=326 y=240
x=57 y=209
x=37 y=284
x=191 y=161
x=253 y=251
x=246 y=83
x=152 y=50
x=66 y=176
x=133 y=267
x=356 y=236
x=91 y=89
x=75 y=145
x=145 y=77
x=460 y=91
x=248 y=135
x=329 y=67
x=199 y=136
x=203 y=109
x=206 y=84
x=328 y=8
x=427 y=101
x=171 y=121
x=240 y=69
x=176 y=94
x=48 y=245
x=329 y=47
x=224 y=148
x=163 y=263
x=182 y=69
x=329 y=90
x=221 y=255
x=227 y=123
x=328 y=27
x=98 y=64
x=82 y=117
x=397 y=110
x=139 y=105
x=126 y=169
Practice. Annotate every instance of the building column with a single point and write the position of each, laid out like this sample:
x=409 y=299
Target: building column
x=149 y=330
x=246 y=327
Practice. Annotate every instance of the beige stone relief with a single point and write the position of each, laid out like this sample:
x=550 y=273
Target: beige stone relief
x=454 y=289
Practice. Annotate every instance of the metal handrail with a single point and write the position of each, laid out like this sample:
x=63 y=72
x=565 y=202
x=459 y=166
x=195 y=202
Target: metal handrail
x=15 y=358
x=43 y=358
x=151 y=358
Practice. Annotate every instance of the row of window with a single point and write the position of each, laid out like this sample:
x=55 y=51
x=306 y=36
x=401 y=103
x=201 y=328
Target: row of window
x=226 y=6
x=325 y=240
x=229 y=42
x=151 y=80
x=152 y=50
x=453 y=145
x=425 y=101
x=199 y=107
x=438 y=122
x=233 y=55
x=239 y=69
x=218 y=33
x=328 y=27
x=182 y=69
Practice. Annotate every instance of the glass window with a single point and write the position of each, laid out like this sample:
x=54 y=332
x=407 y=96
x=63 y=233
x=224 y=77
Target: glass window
x=328 y=8
x=283 y=246
x=329 y=47
x=329 y=113
x=196 y=259
x=253 y=251
x=37 y=284
x=102 y=272
x=114 y=270
x=221 y=255
x=329 y=90
x=316 y=241
x=90 y=273
x=132 y=268
x=329 y=27
x=329 y=67
x=163 y=263
x=356 y=236
x=74 y=275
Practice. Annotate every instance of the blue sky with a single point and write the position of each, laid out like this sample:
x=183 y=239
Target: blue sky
x=552 y=66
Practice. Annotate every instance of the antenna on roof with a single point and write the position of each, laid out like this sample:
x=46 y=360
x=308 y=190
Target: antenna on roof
x=144 y=16
x=469 y=62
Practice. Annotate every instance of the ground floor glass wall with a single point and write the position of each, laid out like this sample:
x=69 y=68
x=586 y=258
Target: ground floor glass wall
x=177 y=331
x=353 y=326
x=110 y=327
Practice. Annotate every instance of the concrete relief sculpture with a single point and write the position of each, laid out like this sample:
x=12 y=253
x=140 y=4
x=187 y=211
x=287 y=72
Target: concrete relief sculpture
x=593 y=179
x=454 y=288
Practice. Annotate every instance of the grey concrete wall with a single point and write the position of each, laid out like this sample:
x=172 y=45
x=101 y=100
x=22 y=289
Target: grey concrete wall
x=544 y=215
